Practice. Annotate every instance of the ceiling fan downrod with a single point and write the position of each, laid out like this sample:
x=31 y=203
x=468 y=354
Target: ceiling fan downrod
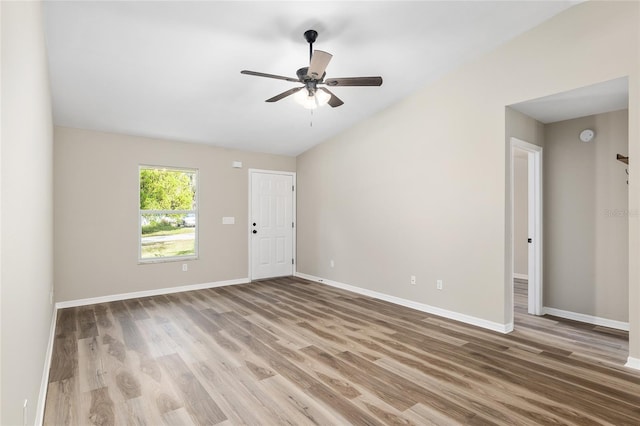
x=310 y=36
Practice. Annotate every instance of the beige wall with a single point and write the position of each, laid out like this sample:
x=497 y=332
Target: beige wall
x=420 y=187
x=96 y=208
x=586 y=217
x=523 y=127
x=27 y=210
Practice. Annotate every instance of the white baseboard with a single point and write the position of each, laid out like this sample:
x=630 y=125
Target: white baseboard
x=589 y=319
x=520 y=276
x=147 y=293
x=633 y=363
x=44 y=385
x=467 y=319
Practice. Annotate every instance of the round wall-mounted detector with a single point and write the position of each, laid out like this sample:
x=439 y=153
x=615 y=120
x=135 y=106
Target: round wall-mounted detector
x=587 y=135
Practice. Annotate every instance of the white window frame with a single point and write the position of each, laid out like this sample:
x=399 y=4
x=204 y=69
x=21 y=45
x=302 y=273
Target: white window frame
x=159 y=212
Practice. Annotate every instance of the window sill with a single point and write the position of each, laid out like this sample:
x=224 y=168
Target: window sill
x=166 y=260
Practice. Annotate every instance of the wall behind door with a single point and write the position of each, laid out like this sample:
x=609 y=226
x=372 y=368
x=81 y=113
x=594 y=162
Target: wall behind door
x=96 y=212
x=586 y=217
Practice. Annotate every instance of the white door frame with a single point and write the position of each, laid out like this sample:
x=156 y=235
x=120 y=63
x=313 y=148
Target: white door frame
x=534 y=154
x=293 y=217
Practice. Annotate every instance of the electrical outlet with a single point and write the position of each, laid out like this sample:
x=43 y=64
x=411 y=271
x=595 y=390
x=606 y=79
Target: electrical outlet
x=439 y=284
x=185 y=267
x=413 y=279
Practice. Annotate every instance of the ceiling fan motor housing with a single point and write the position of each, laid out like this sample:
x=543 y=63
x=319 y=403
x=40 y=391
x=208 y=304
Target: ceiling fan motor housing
x=302 y=74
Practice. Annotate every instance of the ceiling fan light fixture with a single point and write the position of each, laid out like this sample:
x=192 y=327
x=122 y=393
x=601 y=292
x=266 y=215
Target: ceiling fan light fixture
x=312 y=99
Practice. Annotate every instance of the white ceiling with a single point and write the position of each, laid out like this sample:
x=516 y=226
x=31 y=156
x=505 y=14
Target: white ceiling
x=171 y=69
x=612 y=95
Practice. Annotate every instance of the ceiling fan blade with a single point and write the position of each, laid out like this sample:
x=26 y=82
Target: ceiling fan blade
x=262 y=74
x=354 y=81
x=319 y=62
x=334 y=101
x=284 y=94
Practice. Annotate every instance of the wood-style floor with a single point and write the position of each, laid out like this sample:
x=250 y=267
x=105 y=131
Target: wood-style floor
x=289 y=351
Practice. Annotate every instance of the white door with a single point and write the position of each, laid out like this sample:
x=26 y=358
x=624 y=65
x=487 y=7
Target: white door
x=535 y=232
x=271 y=225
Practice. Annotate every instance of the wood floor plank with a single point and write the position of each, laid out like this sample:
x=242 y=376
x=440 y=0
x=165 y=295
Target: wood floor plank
x=239 y=403
x=87 y=322
x=377 y=386
x=424 y=415
x=91 y=374
x=295 y=374
x=64 y=360
x=66 y=321
x=298 y=406
x=101 y=409
x=487 y=397
x=179 y=417
x=195 y=345
x=290 y=351
x=202 y=409
x=159 y=342
x=62 y=403
x=133 y=340
x=136 y=309
x=103 y=317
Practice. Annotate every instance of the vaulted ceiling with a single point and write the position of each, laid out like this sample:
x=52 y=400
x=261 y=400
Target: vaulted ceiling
x=171 y=69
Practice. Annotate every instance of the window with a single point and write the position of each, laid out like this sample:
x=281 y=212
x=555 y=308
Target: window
x=168 y=214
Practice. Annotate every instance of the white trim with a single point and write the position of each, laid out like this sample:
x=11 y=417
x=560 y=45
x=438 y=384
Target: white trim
x=293 y=216
x=633 y=363
x=467 y=319
x=520 y=276
x=535 y=223
x=589 y=319
x=147 y=293
x=44 y=385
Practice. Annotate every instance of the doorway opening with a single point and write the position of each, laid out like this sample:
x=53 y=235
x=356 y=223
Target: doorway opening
x=586 y=208
x=526 y=220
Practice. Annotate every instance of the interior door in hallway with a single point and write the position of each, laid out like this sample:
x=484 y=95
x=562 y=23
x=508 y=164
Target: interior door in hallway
x=272 y=224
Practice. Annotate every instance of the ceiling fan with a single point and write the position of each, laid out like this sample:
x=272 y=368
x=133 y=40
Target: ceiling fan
x=312 y=78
